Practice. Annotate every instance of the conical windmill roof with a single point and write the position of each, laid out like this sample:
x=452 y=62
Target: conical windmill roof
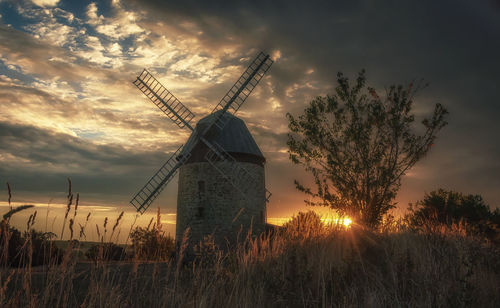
x=235 y=138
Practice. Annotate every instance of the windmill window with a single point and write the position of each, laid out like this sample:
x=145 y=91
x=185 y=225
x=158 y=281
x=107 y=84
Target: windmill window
x=201 y=211
x=201 y=190
x=201 y=187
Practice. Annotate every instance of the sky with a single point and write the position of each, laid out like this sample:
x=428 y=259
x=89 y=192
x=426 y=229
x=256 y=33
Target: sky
x=68 y=108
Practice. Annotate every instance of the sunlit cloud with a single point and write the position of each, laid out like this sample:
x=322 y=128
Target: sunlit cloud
x=45 y=2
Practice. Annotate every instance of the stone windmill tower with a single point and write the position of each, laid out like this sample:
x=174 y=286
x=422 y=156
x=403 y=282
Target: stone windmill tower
x=221 y=180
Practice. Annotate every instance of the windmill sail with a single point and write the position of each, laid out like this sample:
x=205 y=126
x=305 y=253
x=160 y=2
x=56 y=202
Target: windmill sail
x=143 y=199
x=165 y=100
x=242 y=88
x=235 y=173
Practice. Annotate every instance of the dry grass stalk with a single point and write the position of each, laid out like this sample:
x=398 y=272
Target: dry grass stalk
x=10 y=195
x=82 y=228
x=47 y=214
x=116 y=225
x=308 y=265
x=82 y=231
x=131 y=228
x=76 y=204
x=71 y=221
x=31 y=221
x=158 y=219
x=69 y=188
x=118 y=221
x=68 y=207
x=149 y=225
x=5 y=284
x=104 y=227
x=98 y=233
x=7 y=215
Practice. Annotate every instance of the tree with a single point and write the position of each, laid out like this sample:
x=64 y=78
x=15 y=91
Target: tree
x=358 y=145
x=446 y=207
x=27 y=248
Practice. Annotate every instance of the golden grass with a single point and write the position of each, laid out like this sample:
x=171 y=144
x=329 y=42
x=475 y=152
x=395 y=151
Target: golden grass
x=305 y=263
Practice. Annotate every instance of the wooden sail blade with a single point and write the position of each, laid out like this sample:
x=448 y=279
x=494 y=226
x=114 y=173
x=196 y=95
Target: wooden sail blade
x=143 y=199
x=164 y=99
x=243 y=87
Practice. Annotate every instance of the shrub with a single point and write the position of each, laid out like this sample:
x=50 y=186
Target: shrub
x=29 y=248
x=304 y=225
x=152 y=244
x=449 y=208
x=106 y=252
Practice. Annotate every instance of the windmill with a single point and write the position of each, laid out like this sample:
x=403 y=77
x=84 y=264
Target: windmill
x=221 y=169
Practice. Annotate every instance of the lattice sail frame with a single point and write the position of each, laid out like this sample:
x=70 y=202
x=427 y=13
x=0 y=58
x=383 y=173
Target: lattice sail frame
x=143 y=199
x=242 y=88
x=238 y=176
x=163 y=99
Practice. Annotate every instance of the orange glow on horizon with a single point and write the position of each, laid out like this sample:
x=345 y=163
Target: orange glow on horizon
x=345 y=221
x=327 y=219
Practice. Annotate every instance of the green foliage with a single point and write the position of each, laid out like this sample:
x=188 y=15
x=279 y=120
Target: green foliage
x=358 y=145
x=443 y=207
x=152 y=244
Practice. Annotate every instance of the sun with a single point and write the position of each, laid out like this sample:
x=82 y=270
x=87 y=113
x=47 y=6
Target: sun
x=345 y=221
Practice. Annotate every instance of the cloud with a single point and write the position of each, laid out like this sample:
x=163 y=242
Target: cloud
x=39 y=160
x=45 y=3
x=49 y=150
x=34 y=57
x=121 y=25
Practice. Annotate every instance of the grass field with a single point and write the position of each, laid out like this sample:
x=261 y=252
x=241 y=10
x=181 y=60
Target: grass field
x=304 y=264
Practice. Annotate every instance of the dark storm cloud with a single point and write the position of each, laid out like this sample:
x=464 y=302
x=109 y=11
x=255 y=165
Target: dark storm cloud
x=44 y=159
x=454 y=45
x=399 y=39
x=271 y=141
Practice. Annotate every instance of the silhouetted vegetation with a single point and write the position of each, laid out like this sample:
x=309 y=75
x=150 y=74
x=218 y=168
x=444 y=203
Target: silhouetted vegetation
x=443 y=207
x=106 y=252
x=152 y=244
x=305 y=263
x=14 y=244
x=304 y=224
x=358 y=145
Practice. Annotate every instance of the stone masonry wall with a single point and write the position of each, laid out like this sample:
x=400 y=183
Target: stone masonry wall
x=208 y=204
